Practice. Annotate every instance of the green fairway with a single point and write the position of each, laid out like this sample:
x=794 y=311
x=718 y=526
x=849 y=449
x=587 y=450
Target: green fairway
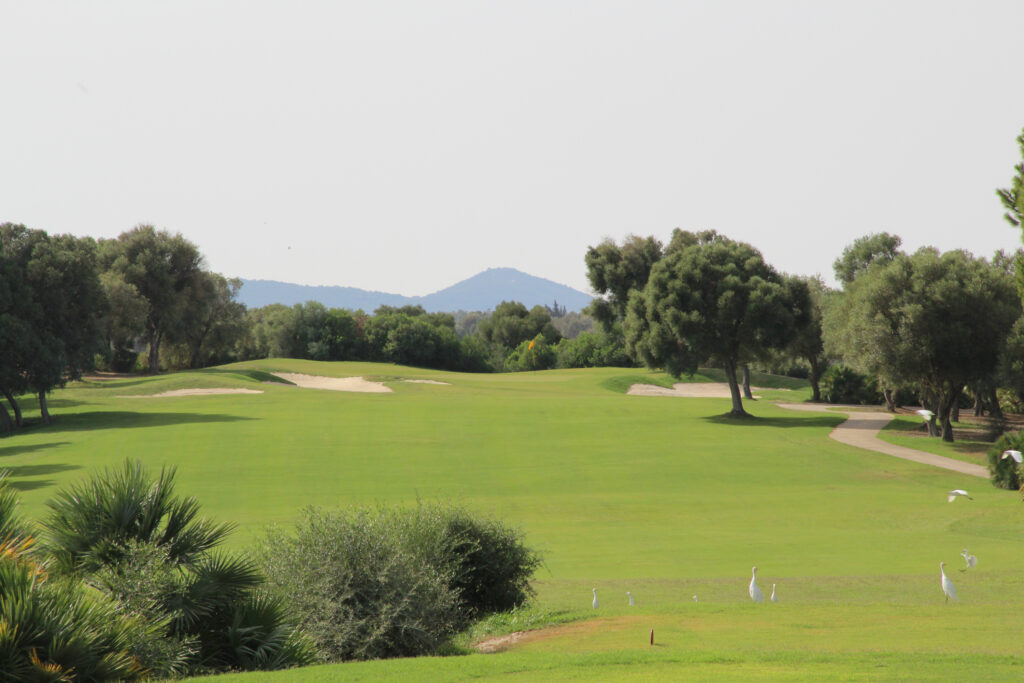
x=659 y=496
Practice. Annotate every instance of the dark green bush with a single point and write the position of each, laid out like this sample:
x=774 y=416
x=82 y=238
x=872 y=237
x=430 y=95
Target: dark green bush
x=535 y=354
x=1005 y=474
x=842 y=384
x=492 y=565
x=391 y=582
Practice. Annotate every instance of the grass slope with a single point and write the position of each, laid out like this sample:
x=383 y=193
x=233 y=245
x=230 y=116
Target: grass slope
x=659 y=496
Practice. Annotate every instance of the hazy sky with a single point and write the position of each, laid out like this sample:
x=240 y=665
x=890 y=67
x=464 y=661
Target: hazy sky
x=404 y=146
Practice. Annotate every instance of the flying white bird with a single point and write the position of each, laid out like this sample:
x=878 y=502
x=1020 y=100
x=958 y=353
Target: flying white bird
x=970 y=560
x=926 y=415
x=595 y=603
x=773 y=598
x=1017 y=457
x=755 y=592
x=947 y=585
x=951 y=496
x=631 y=603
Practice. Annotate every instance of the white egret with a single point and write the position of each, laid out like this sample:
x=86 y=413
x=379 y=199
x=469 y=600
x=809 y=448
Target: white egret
x=755 y=592
x=947 y=585
x=695 y=598
x=631 y=603
x=970 y=560
x=927 y=415
x=1016 y=455
x=595 y=603
x=952 y=495
x=773 y=598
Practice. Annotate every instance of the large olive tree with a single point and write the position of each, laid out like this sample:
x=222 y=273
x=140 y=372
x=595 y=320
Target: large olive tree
x=711 y=298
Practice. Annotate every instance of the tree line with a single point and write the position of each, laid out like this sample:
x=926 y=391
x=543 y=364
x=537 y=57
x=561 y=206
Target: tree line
x=929 y=327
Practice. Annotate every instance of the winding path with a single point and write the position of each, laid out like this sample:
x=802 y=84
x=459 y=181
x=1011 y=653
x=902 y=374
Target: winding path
x=861 y=430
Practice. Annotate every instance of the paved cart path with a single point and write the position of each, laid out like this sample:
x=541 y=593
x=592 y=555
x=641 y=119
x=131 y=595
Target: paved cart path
x=861 y=430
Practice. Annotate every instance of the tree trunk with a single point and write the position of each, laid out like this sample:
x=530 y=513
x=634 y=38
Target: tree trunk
x=154 y=352
x=734 y=390
x=6 y=425
x=890 y=403
x=994 y=409
x=746 y=382
x=815 y=377
x=946 y=403
x=979 y=403
x=43 y=410
x=18 y=421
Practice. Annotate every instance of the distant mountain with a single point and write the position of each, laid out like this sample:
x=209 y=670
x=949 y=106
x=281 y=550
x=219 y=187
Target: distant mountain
x=482 y=292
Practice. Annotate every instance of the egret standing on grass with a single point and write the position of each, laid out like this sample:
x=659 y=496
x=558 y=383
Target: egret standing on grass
x=951 y=496
x=631 y=603
x=595 y=603
x=755 y=592
x=773 y=598
x=947 y=585
x=971 y=560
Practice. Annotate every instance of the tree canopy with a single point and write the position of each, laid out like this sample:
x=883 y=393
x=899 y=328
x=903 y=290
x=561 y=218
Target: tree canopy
x=711 y=299
x=937 y=319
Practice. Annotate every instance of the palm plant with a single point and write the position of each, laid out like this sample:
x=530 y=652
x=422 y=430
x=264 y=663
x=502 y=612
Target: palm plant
x=90 y=523
x=51 y=628
x=130 y=536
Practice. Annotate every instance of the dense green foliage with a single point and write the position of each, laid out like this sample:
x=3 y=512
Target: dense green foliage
x=1005 y=472
x=127 y=533
x=389 y=582
x=843 y=384
x=938 y=320
x=711 y=298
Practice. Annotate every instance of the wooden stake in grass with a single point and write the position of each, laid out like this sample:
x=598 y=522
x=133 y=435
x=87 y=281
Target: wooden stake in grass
x=652 y=636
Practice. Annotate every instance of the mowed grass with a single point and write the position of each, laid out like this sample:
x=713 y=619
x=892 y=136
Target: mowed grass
x=659 y=496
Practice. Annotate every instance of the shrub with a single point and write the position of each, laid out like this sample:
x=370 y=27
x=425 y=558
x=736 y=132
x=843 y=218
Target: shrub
x=383 y=582
x=535 y=354
x=356 y=587
x=593 y=350
x=492 y=564
x=842 y=384
x=1005 y=474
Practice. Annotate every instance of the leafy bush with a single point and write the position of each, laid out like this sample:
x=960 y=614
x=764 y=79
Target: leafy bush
x=357 y=589
x=375 y=583
x=535 y=354
x=593 y=350
x=1005 y=474
x=842 y=384
x=492 y=565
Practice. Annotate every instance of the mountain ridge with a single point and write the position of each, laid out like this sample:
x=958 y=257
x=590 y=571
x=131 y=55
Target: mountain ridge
x=481 y=292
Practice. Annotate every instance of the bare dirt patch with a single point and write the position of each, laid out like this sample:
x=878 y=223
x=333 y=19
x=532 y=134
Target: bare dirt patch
x=357 y=384
x=687 y=390
x=196 y=392
x=499 y=643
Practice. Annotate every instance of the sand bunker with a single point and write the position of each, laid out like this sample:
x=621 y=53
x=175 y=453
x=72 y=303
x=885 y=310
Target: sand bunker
x=334 y=383
x=687 y=390
x=196 y=392
x=426 y=381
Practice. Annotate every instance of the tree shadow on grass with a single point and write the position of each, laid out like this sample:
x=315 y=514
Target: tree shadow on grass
x=828 y=421
x=119 y=419
x=19 y=471
x=8 y=451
